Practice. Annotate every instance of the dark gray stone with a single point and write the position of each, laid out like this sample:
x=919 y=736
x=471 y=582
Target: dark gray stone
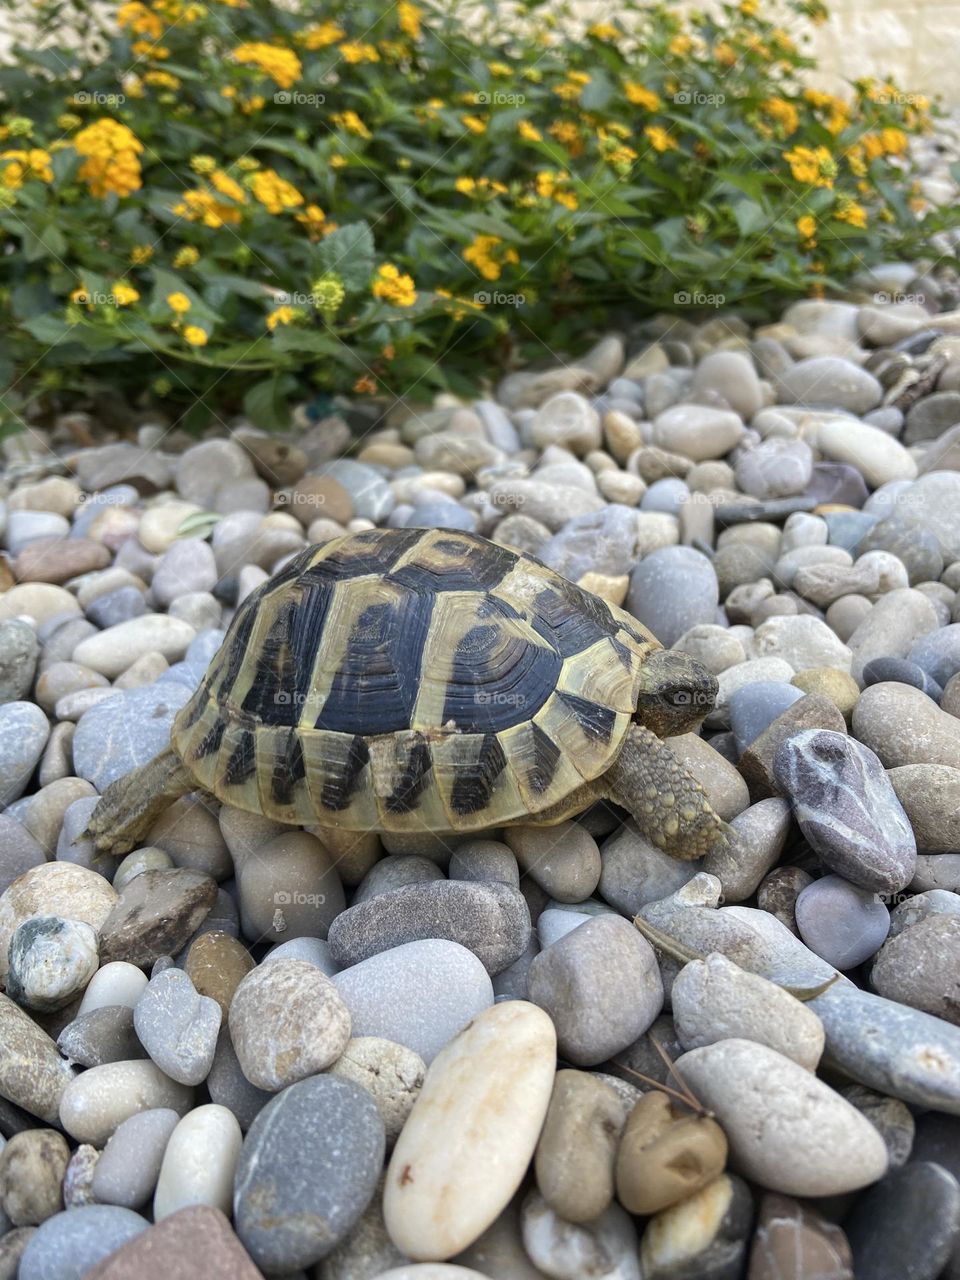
x=847 y=808
x=900 y=671
x=491 y=920
x=116 y=606
x=308 y=1169
x=103 y=1035
x=230 y=1088
x=905 y=1227
x=938 y=654
x=18 y=851
x=395 y=871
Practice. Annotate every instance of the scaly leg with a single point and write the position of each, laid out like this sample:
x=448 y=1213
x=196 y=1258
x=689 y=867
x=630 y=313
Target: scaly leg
x=130 y=806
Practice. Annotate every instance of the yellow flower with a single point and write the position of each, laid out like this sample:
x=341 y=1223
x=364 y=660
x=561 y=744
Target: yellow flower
x=274 y=192
x=80 y=295
x=281 y=65
x=141 y=254
x=811 y=165
x=227 y=186
x=188 y=256
x=569 y=90
x=641 y=96
x=485 y=254
x=394 y=287
x=748 y=7
x=355 y=52
x=69 y=121
x=204 y=165
x=724 y=54
x=475 y=124
x=338 y=162
x=124 y=294
x=578 y=77
x=162 y=79
x=852 y=213
x=660 y=140
x=178 y=302
x=111 y=165
x=894 y=141
x=603 y=31
x=350 y=121
x=681 y=45
x=528 y=132
x=281 y=315
x=139 y=19
x=807 y=231
x=319 y=35
x=196 y=336
x=466 y=186
x=20 y=166
x=568 y=135
x=838 y=112
x=315 y=221
x=144 y=49
x=784 y=112
x=501 y=69
x=203 y=206
x=409 y=15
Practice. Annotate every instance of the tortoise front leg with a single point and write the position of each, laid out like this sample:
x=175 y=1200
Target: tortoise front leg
x=668 y=804
x=129 y=807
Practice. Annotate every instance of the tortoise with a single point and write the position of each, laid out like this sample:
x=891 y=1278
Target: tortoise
x=429 y=680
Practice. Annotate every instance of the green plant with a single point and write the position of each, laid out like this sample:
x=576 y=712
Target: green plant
x=223 y=204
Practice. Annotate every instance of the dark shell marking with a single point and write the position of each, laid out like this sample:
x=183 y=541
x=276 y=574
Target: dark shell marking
x=413 y=679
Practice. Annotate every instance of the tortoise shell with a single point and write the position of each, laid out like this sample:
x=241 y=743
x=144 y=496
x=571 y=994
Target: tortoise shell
x=410 y=680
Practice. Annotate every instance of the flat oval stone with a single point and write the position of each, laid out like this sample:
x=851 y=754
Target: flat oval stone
x=491 y=920
x=70 y=1244
x=295 y=1195
x=903 y=726
x=24 y=731
x=199 y=1162
x=178 y=1027
x=841 y=922
x=287 y=1021
x=787 y=1130
x=491 y=1086
x=847 y=809
x=129 y=1165
x=100 y=1099
x=420 y=994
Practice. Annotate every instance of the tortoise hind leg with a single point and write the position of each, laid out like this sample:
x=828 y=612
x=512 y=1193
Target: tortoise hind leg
x=668 y=804
x=129 y=807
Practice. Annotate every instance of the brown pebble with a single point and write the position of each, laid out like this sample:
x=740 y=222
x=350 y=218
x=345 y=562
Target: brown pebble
x=59 y=559
x=276 y=461
x=577 y=1149
x=12 y=1247
x=315 y=496
x=216 y=964
x=156 y=914
x=666 y=1155
x=196 y=1241
x=792 y=1242
x=778 y=894
x=32 y=1166
x=813 y=711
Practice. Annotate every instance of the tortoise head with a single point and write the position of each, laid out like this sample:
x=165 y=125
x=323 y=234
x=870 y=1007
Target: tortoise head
x=676 y=692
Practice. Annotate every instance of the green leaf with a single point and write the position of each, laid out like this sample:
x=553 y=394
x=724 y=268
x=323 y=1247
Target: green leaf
x=597 y=93
x=290 y=337
x=750 y=216
x=349 y=253
x=265 y=403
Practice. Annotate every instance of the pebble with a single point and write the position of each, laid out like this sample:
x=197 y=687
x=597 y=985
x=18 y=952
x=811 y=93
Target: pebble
x=101 y=1098
x=19 y=651
x=126 y=731
x=32 y=1168
x=480 y=859
x=753 y=707
x=918 y=967
x=419 y=994
x=697 y=431
x=890 y=629
x=601 y=986
x=177 y=1027
x=841 y=922
x=110 y=652
x=586 y=1117
x=892 y=1118
x=115 y=983
x=930 y=796
x=938 y=654
x=802 y=641
x=51 y=961
x=493 y=1082
x=788 y=1131
x=155 y=915
x=491 y=920
x=19 y=851
x=794 y=1242
x=129 y=1165
x=903 y=726
x=635 y=872
x=199 y=1162
x=391 y=1073
x=287 y=1021
x=877 y=456
x=714 y=999
x=229 y=1087
x=725 y=788
x=296 y=1195
x=569 y=420
x=907 y=1225
x=53 y=889
x=32 y=1073
x=194 y=1241
x=563 y=860
x=672 y=590
x=847 y=809
x=78 y=1179
x=103 y=1035
x=830 y=382
x=759 y=835
x=70 y=1244
x=24 y=730
x=606 y=1247
x=288 y=886
x=216 y=964
x=39 y=601
x=666 y=1155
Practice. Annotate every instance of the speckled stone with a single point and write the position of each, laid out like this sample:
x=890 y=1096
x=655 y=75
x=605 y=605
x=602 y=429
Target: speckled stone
x=51 y=961
x=177 y=1026
x=24 y=730
x=296 y=1195
x=155 y=915
x=100 y=1099
x=847 y=809
x=71 y=1243
x=32 y=1073
x=32 y=1168
x=216 y=964
x=920 y=967
x=391 y=1073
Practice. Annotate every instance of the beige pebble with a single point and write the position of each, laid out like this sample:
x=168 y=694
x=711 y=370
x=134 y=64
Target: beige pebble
x=577 y=1150
x=666 y=1154
x=53 y=889
x=99 y=1099
x=391 y=1073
